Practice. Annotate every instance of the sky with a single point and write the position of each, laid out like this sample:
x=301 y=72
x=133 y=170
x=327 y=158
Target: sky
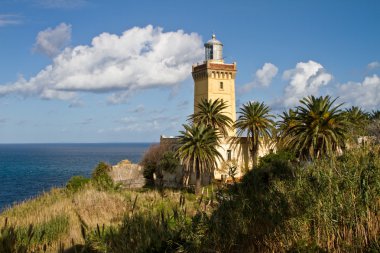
x=88 y=71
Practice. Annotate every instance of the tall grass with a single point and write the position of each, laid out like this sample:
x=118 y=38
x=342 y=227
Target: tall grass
x=60 y=213
x=282 y=206
x=330 y=205
x=327 y=205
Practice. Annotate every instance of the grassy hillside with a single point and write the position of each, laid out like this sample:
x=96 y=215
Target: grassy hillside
x=60 y=213
x=282 y=206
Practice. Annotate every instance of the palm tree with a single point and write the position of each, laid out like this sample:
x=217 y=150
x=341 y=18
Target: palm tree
x=375 y=114
x=319 y=129
x=287 y=121
x=256 y=123
x=373 y=127
x=210 y=113
x=357 y=120
x=198 y=150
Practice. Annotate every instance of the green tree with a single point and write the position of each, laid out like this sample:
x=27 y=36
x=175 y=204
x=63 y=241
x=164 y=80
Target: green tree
x=358 y=121
x=287 y=121
x=256 y=123
x=374 y=115
x=320 y=128
x=210 y=113
x=198 y=150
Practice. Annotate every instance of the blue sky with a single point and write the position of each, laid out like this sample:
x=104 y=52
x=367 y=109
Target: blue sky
x=120 y=71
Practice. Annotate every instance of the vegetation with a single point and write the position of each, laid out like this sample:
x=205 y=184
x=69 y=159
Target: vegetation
x=257 y=124
x=77 y=183
x=211 y=114
x=319 y=128
x=157 y=159
x=330 y=203
x=358 y=121
x=198 y=151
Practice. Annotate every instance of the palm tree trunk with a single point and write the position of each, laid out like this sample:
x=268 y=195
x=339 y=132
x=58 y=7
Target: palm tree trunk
x=198 y=185
x=254 y=154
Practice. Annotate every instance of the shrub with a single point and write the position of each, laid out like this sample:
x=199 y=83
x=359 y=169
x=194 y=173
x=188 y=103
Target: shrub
x=150 y=162
x=76 y=183
x=101 y=178
x=319 y=206
x=168 y=162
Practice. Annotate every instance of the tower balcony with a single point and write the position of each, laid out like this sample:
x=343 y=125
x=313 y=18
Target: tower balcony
x=214 y=70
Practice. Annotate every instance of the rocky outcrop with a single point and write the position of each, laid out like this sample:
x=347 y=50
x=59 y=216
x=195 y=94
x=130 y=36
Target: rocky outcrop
x=128 y=174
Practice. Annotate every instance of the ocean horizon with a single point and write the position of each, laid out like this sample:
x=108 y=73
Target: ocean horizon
x=29 y=169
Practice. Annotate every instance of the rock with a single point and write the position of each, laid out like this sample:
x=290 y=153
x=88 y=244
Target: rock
x=128 y=174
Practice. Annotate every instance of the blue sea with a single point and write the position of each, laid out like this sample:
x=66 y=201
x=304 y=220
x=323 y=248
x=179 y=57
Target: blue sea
x=29 y=169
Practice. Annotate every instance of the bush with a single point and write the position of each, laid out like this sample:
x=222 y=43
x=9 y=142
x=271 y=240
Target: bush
x=150 y=162
x=76 y=183
x=168 y=162
x=321 y=206
x=101 y=178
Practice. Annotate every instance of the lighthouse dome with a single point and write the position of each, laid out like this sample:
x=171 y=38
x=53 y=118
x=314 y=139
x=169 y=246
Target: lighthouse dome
x=214 y=50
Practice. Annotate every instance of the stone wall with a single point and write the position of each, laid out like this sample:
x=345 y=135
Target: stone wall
x=128 y=174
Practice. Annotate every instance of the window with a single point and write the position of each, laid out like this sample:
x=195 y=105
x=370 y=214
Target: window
x=229 y=153
x=221 y=85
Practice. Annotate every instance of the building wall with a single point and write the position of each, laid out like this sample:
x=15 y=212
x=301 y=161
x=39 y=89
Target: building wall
x=240 y=156
x=216 y=81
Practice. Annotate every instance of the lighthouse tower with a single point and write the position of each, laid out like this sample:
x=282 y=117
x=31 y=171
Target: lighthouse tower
x=214 y=79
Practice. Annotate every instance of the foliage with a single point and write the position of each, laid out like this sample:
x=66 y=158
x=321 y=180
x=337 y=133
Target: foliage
x=286 y=122
x=319 y=206
x=198 y=150
x=168 y=162
x=12 y=241
x=76 y=183
x=47 y=232
x=282 y=206
x=256 y=123
x=101 y=178
x=230 y=168
x=318 y=129
x=374 y=115
x=211 y=113
x=373 y=129
x=358 y=121
x=151 y=160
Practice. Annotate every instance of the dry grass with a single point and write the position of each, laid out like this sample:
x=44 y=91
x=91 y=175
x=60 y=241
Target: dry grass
x=88 y=206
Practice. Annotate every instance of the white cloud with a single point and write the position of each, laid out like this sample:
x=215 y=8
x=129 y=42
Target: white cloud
x=52 y=40
x=263 y=77
x=60 y=4
x=305 y=79
x=9 y=19
x=373 y=65
x=365 y=94
x=140 y=58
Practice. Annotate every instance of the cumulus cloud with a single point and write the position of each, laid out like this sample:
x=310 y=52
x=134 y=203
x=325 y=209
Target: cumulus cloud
x=263 y=77
x=365 y=94
x=9 y=19
x=305 y=79
x=140 y=58
x=60 y=4
x=373 y=65
x=52 y=40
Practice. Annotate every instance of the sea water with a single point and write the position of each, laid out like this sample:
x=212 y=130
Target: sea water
x=27 y=170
